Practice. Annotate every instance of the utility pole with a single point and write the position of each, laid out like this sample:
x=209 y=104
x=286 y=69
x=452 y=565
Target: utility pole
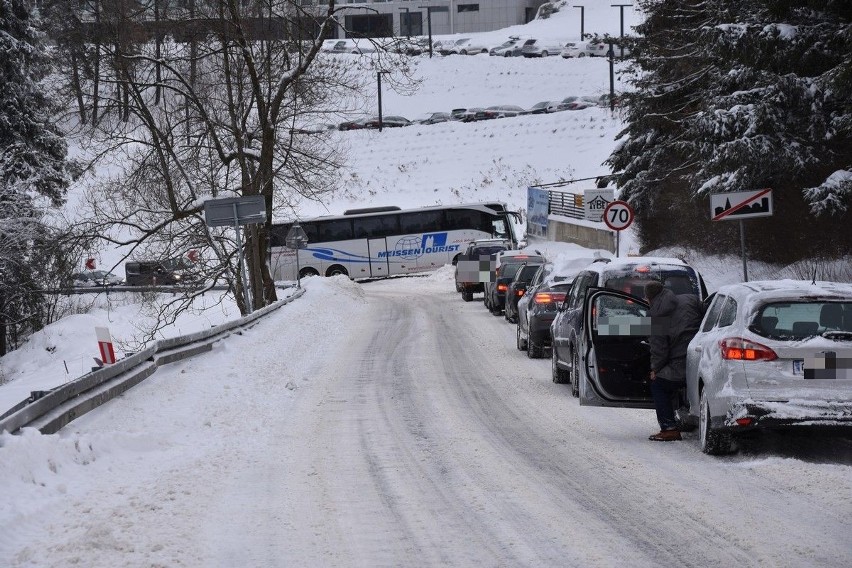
x=621 y=8
x=582 y=21
x=379 y=82
x=429 y=24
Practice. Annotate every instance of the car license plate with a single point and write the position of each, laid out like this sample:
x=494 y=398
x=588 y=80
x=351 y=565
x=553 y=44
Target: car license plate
x=798 y=366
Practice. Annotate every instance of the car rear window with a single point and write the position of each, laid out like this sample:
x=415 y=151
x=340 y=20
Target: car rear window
x=800 y=320
x=488 y=250
x=680 y=280
x=526 y=273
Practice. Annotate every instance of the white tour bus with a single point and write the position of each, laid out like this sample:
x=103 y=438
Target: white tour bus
x=384 y=241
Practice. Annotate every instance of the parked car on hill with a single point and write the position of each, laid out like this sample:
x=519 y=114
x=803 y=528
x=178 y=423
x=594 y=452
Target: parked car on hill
x=499 y=111
x=390 y=121
x=624 y=383
x=463 y=46
x=470 y=114
x=544 y=107
x=356 y=124
x=538 y=307
x=509 y=48
x=542 y=47
x=433 y=118
x=771 y=354
x=573 y=49
x=597 y=49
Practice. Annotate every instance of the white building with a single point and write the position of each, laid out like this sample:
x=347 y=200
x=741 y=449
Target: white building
x=383 y=18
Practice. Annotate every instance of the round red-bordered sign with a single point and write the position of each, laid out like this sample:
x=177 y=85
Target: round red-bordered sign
x=618 y=215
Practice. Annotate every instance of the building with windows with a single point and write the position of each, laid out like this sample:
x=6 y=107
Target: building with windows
x=383 y=18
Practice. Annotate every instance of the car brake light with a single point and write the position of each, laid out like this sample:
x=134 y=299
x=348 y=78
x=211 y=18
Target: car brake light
x=548 y=297
x=502 y=287
x=744 y=421
x=519 y=293
x=643 y=269
x=737 y=348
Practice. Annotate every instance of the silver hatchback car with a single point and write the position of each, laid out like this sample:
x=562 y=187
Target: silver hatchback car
x=771 y=354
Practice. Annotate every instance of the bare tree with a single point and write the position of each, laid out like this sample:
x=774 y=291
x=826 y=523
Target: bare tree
x=230 y=104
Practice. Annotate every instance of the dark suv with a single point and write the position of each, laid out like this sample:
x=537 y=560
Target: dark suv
x=149 y=273
x=626 y=275
x=476 y=266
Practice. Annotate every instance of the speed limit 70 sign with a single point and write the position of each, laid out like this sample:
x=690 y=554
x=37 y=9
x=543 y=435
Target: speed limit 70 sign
x=618 y=215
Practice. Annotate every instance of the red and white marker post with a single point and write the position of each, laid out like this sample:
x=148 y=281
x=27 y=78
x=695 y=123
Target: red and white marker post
x=105 y=345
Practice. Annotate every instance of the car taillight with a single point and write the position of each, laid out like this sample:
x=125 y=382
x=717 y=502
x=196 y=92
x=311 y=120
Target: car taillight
x=737 y=348
x=548 y=297
x=519 y=293
x=502 y=287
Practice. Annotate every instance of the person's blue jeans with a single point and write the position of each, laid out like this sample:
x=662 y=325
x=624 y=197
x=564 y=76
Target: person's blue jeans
x=664 y=391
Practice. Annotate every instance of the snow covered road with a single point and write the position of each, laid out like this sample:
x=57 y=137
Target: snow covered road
x=392 y=424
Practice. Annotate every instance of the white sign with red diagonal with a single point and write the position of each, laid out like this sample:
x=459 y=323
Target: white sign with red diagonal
x=105 y=345
x=741 y=205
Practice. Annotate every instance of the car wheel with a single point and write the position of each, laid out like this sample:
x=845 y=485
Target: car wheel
x=507 y=54
x=305 y=272
x=581 y=55
x=534 y=350
x=467 y=295
x=712 y=442
x=544 y=54
x=463 y=52
x=521 y=342
x=575 y=374
x=560 y=376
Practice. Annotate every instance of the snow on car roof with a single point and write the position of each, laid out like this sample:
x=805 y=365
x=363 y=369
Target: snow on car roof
x=763 y=289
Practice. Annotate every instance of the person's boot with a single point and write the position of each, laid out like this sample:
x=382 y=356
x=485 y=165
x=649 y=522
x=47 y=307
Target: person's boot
x=666 y=436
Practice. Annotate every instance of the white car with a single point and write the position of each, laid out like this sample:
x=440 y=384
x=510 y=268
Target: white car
x=96 y=278
x=509 y=48
x=464 y=46
x=601 y=49
x=573 y=49
x=542 y=47
x=771 y=354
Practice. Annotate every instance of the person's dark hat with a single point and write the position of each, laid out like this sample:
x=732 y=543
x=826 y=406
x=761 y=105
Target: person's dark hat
x=653 y=289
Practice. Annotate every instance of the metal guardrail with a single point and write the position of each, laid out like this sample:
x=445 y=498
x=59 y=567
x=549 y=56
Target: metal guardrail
x=50 y=410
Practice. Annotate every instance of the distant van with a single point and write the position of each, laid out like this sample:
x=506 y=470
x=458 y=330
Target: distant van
x=149 y=273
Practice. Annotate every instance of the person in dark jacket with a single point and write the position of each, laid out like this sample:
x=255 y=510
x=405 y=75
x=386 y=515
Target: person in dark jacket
x=674 y=322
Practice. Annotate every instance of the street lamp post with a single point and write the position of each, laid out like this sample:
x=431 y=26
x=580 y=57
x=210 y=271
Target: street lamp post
x=611 y=56
x=379 y=82
x=621 y=8
x=429 y=24
x=582 y=21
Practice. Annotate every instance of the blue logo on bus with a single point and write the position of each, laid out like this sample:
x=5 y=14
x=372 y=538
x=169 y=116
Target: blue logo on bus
x=412 y=248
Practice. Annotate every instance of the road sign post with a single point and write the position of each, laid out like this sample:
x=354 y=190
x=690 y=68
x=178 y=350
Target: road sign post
x=738 y=206
x=618 y=216
x=236 y=211
x=296 y=239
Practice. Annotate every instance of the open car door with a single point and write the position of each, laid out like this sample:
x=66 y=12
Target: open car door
x=615 y=351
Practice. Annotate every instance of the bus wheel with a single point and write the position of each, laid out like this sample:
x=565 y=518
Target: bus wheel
x=336 y=270
x=305 y=272
x=456 y=259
